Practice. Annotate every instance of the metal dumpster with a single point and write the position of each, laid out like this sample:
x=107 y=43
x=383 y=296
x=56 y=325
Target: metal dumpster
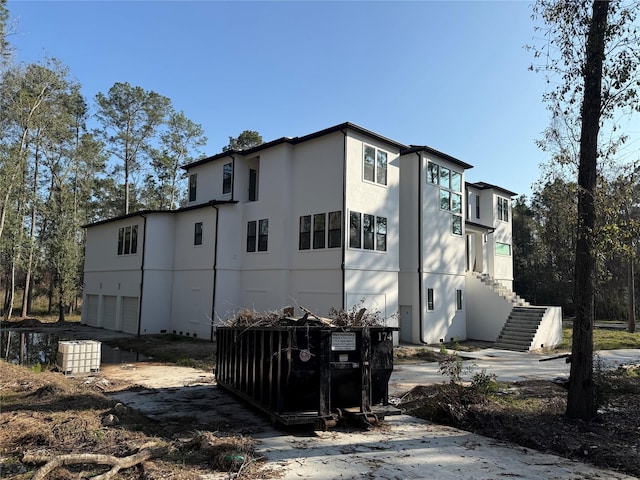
x=309 y=374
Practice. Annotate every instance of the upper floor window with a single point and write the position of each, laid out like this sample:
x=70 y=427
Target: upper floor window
x=503 y=209
x=128 y=240
x=263 y=235
x=193 y=185
x=375 y=165
x=197 y=234
x=367 y=231
x=450 y=183
x=477 y=206
x=227 y=177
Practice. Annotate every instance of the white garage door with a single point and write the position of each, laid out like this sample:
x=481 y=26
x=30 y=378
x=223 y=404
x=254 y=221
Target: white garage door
x=130 y=314
x=91 y=310
x=109 y=312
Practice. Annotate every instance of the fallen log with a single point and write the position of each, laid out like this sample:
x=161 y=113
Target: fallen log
x=117 y=463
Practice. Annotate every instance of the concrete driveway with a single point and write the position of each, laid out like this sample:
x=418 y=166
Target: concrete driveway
x=402 y=448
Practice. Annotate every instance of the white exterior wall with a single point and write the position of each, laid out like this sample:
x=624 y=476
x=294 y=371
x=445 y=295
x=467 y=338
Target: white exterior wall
x=443 y=262
x=370 y=275
x=502 y=268
x=192 y=296
x=110 y=276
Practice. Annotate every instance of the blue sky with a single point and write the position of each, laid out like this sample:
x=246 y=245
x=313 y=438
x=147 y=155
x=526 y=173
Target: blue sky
x=451 y=75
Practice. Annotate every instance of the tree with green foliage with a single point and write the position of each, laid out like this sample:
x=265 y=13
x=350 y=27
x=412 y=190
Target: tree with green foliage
x=247 y=139
x=179 y=143
x=593 y=48
x=129 y=117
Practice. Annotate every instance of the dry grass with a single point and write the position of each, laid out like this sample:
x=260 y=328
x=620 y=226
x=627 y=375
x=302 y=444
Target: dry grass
x=54 y=415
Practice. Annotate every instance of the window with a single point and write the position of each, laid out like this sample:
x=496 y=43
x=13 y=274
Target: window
x=458 y=299
x=503 y=209
x=375 y=165
x=368 y=232
x=304 y=241
x=456 y=203
x=445 y=199
x=429 y=298
x=263 y=237
x=253 y=184
x=433 y=173
x=477 y=206
x=258 y=235
x=251 y=236
x=197 y=234
x=128 y=240
x=381 y=234
x=335 y=229
x=456 y=224
x=503 y=248
x=444 y=177
x=319 y=228
x=227 y=176
x=456 y=182
x=193 y=185
x=355 y=224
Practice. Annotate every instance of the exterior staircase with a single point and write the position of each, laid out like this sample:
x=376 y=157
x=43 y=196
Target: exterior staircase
x=503 y=291
x=521 y=328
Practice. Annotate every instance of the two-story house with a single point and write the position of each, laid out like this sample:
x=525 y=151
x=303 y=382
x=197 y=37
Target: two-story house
x=332 y=219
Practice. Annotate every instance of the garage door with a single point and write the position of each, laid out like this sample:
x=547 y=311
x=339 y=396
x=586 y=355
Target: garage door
x=130 y=314
x=109 y=312
x=91 y=310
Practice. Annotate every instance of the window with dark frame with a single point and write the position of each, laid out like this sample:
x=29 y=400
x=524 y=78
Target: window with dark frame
x=430 y=304
x=477 y=206
x=355 y=225
x=304 y=241
x=263 y=235
x=319 y=230
x=458 y=299
x=197 y=233
x=251 y=236
x=193 y=186
x=381 y=234
x=227 y=178
x=368 y=239
x=335 y=229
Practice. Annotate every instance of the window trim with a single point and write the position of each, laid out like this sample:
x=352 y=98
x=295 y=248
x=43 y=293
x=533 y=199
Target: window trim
x=503 y=209
x=127 y=240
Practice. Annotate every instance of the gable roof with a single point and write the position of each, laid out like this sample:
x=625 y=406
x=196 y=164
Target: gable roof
x=297 y=140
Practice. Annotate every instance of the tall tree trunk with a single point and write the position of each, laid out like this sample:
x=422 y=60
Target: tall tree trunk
x=632 y=296
x=581 y=400
x=32 y=237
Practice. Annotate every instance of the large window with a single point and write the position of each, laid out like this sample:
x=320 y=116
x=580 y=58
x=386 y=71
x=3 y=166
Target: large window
x=503 y=209
x=128 y=240
x=227 y=177
x=193 y=185
x=324 y=235
x=197 y=234
x=367 y=231
x=375 y=165
x=450 y=198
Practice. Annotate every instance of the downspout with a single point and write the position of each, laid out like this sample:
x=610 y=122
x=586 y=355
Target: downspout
x=144 y=251
x=420 y=260
x=215 y=269
x=345 y=221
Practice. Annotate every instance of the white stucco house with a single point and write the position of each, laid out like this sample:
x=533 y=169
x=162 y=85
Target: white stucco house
x=331 y=219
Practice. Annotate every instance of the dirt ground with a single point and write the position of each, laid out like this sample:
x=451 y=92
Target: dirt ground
x=49 y=414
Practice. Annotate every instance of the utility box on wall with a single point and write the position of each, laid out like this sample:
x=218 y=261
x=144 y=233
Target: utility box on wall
x=78 y=356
